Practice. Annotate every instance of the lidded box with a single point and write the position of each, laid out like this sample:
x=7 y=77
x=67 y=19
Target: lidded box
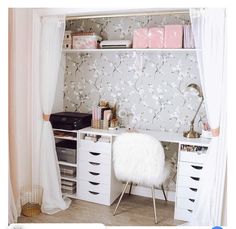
x=140 y=38
x=173 y=36
x=85 y=40
x=156 y=37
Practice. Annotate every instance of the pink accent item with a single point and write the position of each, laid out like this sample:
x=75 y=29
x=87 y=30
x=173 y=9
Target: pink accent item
x=156 y=37
x=140 y=38
x=173 y=36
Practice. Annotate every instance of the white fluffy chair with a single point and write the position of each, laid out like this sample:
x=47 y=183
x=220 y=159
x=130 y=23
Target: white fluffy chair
x=139 y=158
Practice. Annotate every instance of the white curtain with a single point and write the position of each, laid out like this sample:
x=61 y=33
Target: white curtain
x=209 y=34
x=52 y=33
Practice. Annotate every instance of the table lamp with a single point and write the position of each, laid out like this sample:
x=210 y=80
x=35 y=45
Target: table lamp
x=192 y=133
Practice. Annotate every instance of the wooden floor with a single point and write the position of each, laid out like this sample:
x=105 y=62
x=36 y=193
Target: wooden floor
x=133 y=211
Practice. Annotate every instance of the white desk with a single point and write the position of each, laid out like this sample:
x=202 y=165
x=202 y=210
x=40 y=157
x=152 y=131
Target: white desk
x=97 y=183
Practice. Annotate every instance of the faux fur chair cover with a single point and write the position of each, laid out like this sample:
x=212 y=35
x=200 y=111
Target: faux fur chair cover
x=139 y=158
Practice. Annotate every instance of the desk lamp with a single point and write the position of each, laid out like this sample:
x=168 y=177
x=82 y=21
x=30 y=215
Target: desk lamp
x=192 y=133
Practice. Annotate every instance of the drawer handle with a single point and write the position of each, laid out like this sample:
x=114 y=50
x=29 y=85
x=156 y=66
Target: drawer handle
x=94 y=193
x=94 y=163
x=195 y=178
x=94 y=154
x=196 y=167
x=190 y=210
x=94 y=183
x=193 y=189
x=93 y=173
x=192 y=200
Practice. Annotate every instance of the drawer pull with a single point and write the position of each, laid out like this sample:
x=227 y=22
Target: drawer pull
x=94 y=163
x=94 y=154
x=192 y=200
x=94 y=183
x=193 y=189
x=197 y=167
x=95 y=174
x=94 y=193
x=190 y=210
x=195 y=178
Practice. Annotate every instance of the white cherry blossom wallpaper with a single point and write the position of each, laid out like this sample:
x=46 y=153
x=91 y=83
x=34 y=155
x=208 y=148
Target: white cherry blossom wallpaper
x=149 y=87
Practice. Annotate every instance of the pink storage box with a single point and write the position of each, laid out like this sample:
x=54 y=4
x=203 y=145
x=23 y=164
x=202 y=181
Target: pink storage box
x=85 y=42
x=140 y=38
x=173 y=36
x=156 y=37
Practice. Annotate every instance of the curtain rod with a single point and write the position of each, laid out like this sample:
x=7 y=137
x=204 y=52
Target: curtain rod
x=127 y=14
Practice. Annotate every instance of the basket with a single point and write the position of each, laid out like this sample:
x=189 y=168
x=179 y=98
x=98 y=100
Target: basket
x=31 y=200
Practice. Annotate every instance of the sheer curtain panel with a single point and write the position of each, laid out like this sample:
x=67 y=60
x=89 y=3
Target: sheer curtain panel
x=51 y=40
x=209 y=34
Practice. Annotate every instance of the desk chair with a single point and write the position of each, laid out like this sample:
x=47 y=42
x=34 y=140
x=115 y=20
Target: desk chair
x=140 y=159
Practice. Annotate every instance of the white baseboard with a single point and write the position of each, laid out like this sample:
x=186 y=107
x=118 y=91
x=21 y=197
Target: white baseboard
x=144 y=191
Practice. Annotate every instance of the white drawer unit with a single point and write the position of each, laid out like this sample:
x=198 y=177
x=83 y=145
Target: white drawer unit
x=96 y=180
x=190 y=164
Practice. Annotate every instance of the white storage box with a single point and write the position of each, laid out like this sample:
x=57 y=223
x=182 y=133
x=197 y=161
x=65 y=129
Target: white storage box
x=85 y=42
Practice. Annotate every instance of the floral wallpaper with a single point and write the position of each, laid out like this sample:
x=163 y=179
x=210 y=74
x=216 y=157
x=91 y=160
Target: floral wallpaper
x=148 y=87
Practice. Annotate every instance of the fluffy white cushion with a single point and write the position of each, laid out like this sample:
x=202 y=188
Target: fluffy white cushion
x=139 y=158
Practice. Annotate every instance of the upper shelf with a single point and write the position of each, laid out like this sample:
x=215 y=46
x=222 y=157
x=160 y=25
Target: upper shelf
x=129 y=50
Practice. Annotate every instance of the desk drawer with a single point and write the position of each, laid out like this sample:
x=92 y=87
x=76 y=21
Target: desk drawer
x=92 y=196
x=186 y=192
x=189 y=169
x=94 y=186
x=185 y=203
x=94 y=176
x=102 y=147
x=183 y=214
x=94 y=156
x=196 y=157
x=188 y=181
x=102 y=169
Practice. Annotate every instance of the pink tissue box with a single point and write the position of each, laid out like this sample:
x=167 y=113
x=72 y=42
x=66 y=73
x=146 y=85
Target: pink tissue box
x=173 y=36
x=156 y=37
x=140 y=38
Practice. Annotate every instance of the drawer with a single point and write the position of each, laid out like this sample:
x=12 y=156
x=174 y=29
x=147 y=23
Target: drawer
x=186 y=192
x=94 y=156
x=185 y=203
x=189 y=169
x=102 y=147
x=196 y=157
x=95 y=197
x=103 y=169
x=94 y=186
x=93 y=176
x=188 y=181
x=183 y=214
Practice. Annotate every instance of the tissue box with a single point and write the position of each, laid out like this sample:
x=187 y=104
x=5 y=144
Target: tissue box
x=188 y=37
x=85 y=42
x=140 y=38
x=173 y=36
x=156 y=37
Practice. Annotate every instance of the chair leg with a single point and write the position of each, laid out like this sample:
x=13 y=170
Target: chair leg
x=120 y=197
x=130 y=188
x=154 y=204
x=162 y=187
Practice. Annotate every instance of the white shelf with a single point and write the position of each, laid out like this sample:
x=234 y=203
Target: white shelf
x=69 y=178
x=128 y=50
x=73 y=131
x=66 y=138
x=67 y=163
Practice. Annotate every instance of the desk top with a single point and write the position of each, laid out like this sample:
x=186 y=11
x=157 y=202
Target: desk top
x=161 y=136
